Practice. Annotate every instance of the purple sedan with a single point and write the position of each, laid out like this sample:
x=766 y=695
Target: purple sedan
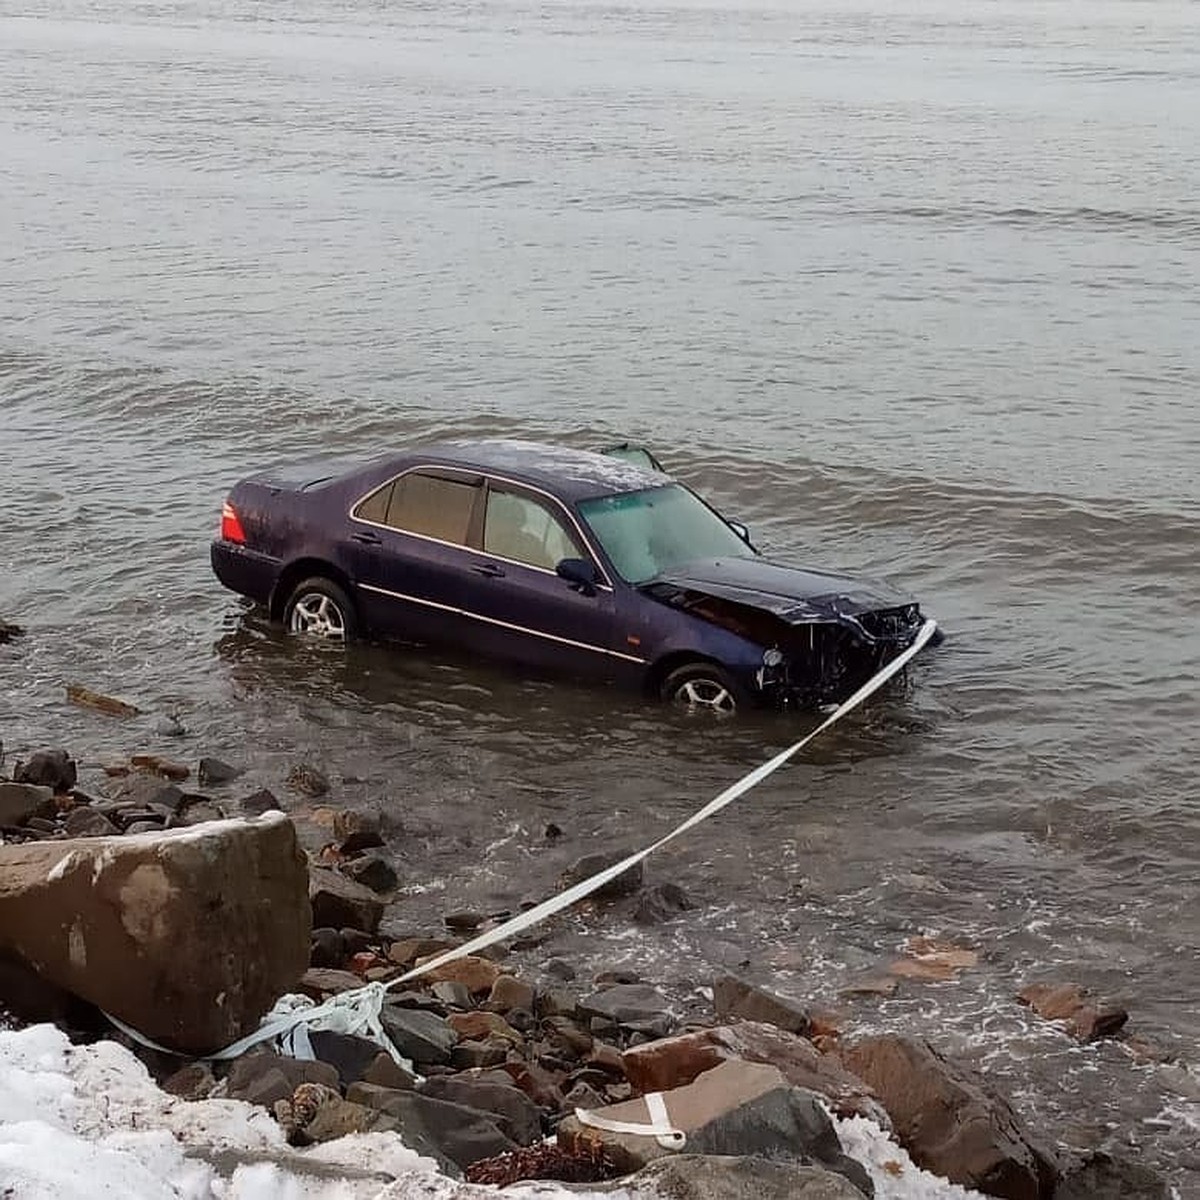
x=585 y=563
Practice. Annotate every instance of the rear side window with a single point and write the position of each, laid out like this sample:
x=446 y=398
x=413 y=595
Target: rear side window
x=432 y=506
x=375 y=506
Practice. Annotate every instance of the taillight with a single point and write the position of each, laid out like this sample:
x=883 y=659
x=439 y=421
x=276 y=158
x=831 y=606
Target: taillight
x=231 y=525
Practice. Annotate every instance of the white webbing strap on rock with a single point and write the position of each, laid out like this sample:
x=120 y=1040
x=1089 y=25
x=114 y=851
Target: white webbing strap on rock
x=358 y=1011
x=659 y=1126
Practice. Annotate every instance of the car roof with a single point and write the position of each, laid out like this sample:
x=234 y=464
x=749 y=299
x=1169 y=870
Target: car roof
x=567 y=473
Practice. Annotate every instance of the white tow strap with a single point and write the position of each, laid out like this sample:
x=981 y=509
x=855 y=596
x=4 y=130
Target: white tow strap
x=358 y=1011
x=659 y=1127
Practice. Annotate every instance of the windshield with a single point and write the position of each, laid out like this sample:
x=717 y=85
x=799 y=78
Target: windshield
x=646 y=533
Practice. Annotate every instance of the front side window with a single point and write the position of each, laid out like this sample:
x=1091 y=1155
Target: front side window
x=649 y=532
x=430 y=505
x=525 y=530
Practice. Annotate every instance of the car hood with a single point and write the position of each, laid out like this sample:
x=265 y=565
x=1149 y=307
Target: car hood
x=797 y=595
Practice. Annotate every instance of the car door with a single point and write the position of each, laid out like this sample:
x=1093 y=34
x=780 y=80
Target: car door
x=410 y=556
x=534 y=615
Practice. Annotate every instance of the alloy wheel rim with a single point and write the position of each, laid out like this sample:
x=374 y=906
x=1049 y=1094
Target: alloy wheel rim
x=706 y=695
x=318 y=615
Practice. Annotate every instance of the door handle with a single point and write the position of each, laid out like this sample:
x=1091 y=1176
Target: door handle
x=367 y=539
x=488 y=571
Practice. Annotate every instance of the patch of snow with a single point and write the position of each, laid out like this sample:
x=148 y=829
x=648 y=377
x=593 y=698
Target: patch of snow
x=77 y=1122
x=894 y=1174
x=61 y=867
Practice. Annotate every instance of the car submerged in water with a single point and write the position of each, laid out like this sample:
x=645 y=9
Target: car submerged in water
x=594 y=564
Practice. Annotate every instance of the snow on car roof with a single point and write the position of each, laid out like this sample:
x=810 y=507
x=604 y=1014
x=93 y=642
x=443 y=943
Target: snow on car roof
x=570 y=474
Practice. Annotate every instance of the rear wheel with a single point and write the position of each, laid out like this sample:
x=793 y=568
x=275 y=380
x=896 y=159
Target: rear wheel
x=320 y=608
x=702 y=687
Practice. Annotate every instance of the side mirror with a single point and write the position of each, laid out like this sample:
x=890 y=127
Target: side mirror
x=579 y=573
x=739 y=529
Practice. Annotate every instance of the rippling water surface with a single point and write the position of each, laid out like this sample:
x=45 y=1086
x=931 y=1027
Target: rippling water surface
x=913 y=294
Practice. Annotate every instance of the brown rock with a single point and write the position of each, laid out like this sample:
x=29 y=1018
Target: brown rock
x=1083 y=1017
x=509 y=992
x=733 y=997
x=873 y=985
x=318 y=982
x=86 y=698
x=338 y=902
x=480 y=1025
x=949 y=1122
x=477 y=974
x=408 y=951
x=160 y=766
x=189 y=936
x=672 y=1062
x=193 y=1082
x=540 y=1085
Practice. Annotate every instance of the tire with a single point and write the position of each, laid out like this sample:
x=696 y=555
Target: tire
x=320 y=608
x=703 y=687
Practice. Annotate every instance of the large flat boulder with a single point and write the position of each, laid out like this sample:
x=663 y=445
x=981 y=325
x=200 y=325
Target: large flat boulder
x=735 y=1108
x=188 y=935
x=949 y=1121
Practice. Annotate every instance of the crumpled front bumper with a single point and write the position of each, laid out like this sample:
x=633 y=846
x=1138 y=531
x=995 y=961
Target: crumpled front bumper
x=828 y=661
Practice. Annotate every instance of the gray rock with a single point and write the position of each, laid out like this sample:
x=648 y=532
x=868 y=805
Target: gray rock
x=472 y=1054
x=262 y=1077
x=559 y=968
x=328 y=948
x=421 y=1036
x=144 y=826
x=514 y=1113
x=1101 y=1177
x=373 y=872
x=54 y=769
x=625 y=884
x=212 y=772
x=784 y=1122
x=705 y=1177
x=169 y=725
x=453 y=993
x=386 y=1072
x=338 y=902
x=459 y=1134
x=734 y=997
x=260 y=802
x=635 y=1006
x=87 y=822
x=349 y=1055
x=661 y=903
x=20 y=801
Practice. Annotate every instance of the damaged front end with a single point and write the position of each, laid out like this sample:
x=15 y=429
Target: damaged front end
x=815 y=651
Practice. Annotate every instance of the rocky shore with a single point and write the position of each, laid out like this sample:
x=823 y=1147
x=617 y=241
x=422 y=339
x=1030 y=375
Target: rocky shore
x=160 y=901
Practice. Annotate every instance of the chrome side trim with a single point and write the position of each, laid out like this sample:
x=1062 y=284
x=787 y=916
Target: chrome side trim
x=462 y=612
x=605 y=582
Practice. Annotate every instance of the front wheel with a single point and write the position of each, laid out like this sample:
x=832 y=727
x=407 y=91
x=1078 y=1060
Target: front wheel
x=320 y=608
x=702 y=687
